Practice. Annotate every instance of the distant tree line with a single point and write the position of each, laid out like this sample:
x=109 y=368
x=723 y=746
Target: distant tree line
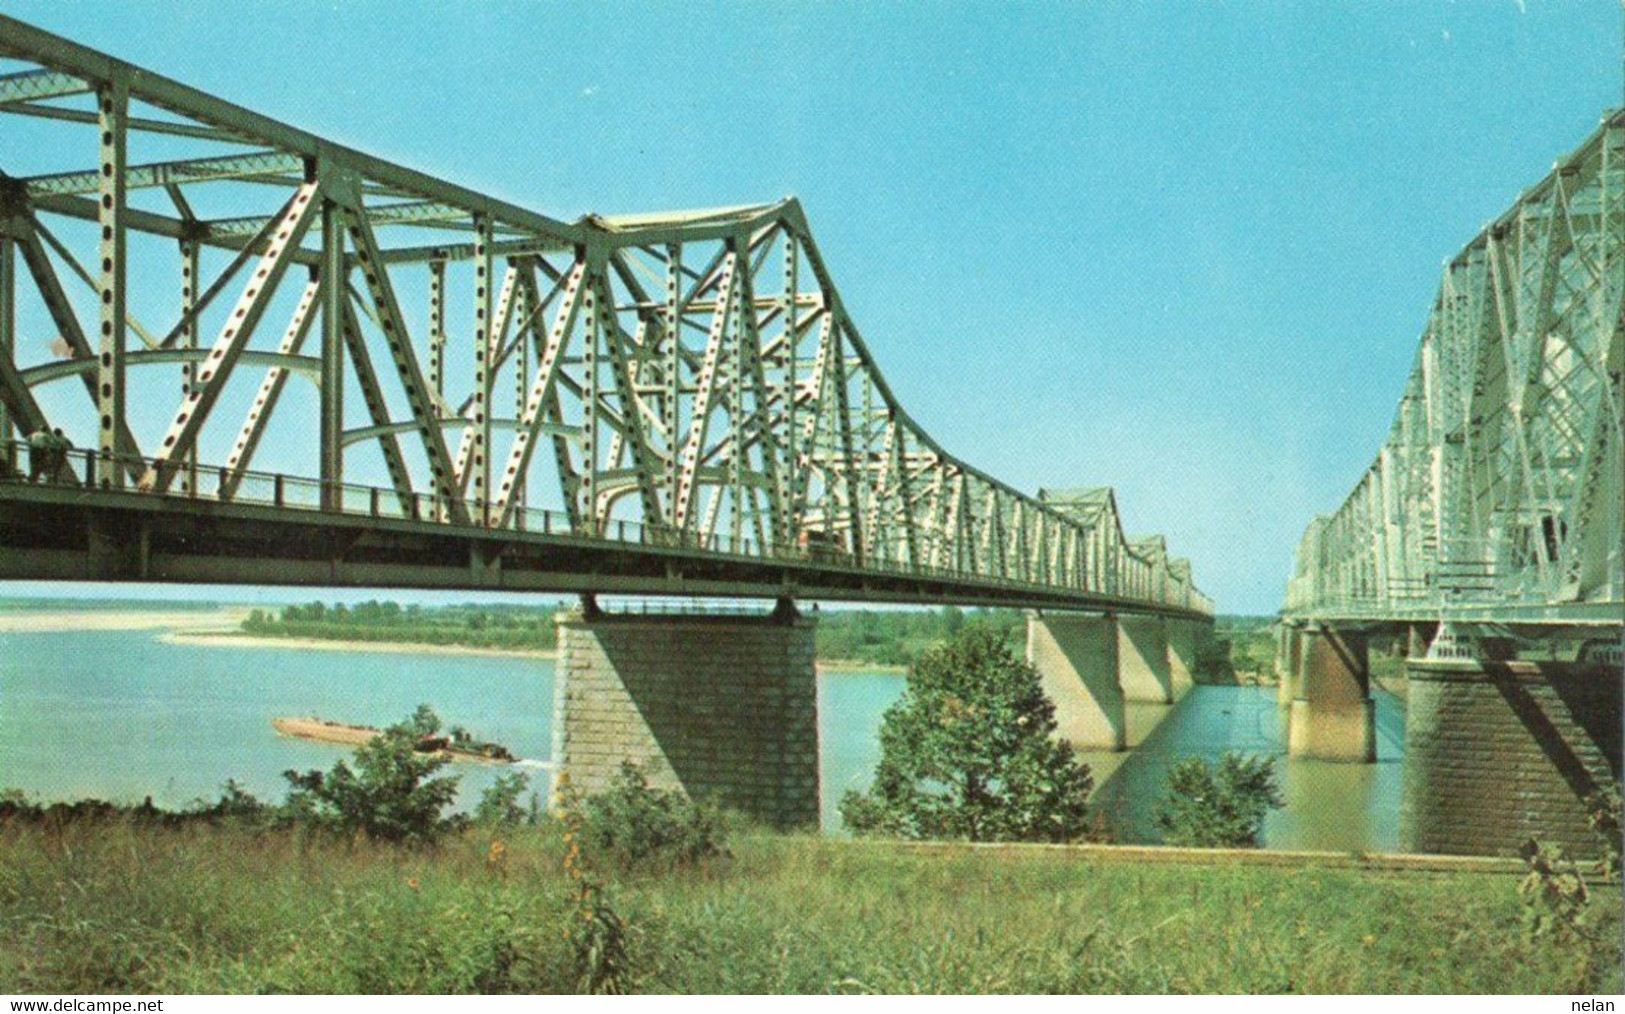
x=900 y=637
x=507 y=627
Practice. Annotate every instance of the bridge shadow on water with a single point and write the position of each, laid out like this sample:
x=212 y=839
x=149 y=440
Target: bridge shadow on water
x=1331 y=806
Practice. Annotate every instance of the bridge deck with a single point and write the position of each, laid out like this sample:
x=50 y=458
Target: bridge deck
x=275 y=532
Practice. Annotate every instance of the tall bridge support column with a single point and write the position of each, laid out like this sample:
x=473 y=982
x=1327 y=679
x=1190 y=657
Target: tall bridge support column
x=1076 y=657
x=1288 y=664
x=1500 y=752
x=724 y=707
x=1142 y=659
x=1184 y=636
x=1333 y=715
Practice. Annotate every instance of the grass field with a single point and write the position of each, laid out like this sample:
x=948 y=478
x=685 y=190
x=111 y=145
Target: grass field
x=118 y=906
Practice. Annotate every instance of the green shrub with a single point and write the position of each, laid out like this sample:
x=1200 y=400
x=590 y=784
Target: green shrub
x=633 y=825
x=969 y=751
x=1603 y=813
x=1218 y=806
x=499 y=804
x=390 y=795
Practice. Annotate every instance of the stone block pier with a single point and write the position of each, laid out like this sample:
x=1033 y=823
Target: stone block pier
x=723 y=707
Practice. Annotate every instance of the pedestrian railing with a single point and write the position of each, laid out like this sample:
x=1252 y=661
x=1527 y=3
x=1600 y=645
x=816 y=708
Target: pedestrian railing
x=85 y=469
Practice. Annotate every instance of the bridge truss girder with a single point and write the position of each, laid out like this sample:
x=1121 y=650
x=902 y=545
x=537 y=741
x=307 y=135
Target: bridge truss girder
x=1499 y=491
x=692 y=375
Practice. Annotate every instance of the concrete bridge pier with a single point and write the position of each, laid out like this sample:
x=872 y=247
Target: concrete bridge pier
x=1142 y=659
x=1184 y=637
x=1076 y=658
x=1333 y=716
x=1288 y=664
x=1498 y=752
x=719 y=706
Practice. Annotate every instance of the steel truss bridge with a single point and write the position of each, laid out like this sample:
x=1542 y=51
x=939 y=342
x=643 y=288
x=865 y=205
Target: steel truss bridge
x=281 y=360
x=1498 y=494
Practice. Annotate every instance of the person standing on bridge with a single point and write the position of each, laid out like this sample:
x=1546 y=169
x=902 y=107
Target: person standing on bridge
x=39 y=454
x=60 y=446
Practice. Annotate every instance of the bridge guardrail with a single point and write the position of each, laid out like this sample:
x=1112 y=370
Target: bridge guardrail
x=219 y=484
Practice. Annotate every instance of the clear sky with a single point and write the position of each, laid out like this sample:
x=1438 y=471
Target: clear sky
x=1184 y=250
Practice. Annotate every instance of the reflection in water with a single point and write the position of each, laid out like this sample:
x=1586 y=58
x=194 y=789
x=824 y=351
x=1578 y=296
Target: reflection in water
x=1341 y=807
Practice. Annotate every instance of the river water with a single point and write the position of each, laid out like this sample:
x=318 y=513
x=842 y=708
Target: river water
x=123 y=715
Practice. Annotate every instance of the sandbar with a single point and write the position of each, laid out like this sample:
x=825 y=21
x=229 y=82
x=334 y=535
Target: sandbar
x=227 y=639
x=43 y=622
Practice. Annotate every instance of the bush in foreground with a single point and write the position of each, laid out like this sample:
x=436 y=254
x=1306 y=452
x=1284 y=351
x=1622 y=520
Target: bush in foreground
x=1218 y=806
x=969 y=752
x=392 y=793
x=632 y=825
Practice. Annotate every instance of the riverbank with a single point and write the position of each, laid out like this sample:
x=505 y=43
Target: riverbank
x=119 y=907
x=840 y=666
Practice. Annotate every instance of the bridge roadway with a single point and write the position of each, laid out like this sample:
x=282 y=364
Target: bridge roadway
x=67 y=532
x=1488 y=536
x=462 y=393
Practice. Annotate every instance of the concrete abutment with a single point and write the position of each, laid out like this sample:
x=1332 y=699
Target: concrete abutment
x=721 y=707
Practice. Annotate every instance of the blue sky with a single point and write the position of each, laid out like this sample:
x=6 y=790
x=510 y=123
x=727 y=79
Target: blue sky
x=1185 y=250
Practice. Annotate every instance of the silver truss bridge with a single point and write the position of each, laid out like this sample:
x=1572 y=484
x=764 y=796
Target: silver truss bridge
x=1498 y=494
x=281 y=359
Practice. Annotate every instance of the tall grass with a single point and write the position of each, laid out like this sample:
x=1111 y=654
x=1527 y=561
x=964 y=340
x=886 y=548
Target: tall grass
x=119 y=906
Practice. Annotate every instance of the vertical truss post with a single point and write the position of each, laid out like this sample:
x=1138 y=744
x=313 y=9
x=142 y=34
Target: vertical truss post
x=735 y=371
x=437 y=328
x=485 y=335
x=8 y=342
x=335 y=288
x=767 y=441
x=591 y=324
x=673 y=321
x=113 y=110
x=788 y=494
x=188 y=340
x=528 y=310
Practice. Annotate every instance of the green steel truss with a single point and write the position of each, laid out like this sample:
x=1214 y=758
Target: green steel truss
x=1498 y=494
x=690 y=377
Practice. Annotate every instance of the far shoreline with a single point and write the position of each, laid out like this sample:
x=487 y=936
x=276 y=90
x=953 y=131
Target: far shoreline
x=230 y=639
x=222 y=628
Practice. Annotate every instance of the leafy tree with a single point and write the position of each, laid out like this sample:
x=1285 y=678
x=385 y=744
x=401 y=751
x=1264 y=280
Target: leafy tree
x=969 y=751
x=391 y=794
x=1218 y=806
